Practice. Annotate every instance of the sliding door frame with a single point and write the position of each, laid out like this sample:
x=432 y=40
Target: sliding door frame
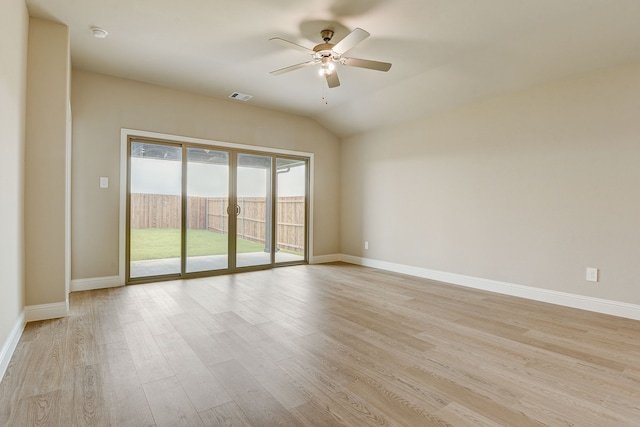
x=128 y=135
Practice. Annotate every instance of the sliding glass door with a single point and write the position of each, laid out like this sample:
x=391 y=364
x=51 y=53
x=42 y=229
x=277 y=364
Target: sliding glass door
x=155 y=212
x=253 y=214
x=291 y=212
x=198 y=210
x=207 y=239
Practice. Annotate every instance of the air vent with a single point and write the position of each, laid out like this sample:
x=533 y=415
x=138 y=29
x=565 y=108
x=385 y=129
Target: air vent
x=240 y=96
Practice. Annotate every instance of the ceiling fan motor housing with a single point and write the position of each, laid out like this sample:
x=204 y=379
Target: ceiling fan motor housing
x=325 y=49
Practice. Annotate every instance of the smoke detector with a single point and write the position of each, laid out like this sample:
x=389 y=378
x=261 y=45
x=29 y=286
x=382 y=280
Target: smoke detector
x=99 y=33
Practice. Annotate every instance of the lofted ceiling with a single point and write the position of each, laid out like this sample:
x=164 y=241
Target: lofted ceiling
x=444 y=52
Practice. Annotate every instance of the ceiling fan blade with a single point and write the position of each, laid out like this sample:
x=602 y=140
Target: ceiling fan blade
x=332 y=79
x=366 y=63
x=291 y=45
x=350 y=41
x=292 y=67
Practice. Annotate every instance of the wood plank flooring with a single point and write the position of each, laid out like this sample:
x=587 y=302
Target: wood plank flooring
x=321 y=345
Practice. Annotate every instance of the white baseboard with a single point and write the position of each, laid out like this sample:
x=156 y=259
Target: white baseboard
x=598 y=305
x=96 y=283
x=9 y=346
x=322 y=259
x=33 y=313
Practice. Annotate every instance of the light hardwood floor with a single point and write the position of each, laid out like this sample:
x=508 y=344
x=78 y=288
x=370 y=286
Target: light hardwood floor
x=321 y=345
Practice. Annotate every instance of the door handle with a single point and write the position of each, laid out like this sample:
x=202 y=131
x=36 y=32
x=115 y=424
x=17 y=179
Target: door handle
x=236 y=209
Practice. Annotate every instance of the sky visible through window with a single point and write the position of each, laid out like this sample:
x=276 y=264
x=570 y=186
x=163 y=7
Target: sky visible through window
x=154 y=176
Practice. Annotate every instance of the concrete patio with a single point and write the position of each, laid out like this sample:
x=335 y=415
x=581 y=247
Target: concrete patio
x=159 y=267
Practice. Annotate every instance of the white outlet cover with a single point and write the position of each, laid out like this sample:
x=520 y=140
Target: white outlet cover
x=104 y=182
x=592 y=274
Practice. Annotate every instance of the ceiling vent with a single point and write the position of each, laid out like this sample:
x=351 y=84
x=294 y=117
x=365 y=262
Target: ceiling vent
x=240 y=96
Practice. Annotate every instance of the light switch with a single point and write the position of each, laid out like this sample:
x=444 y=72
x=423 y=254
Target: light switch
x=104 y=182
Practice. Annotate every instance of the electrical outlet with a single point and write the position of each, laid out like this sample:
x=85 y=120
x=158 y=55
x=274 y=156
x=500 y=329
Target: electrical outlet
x=104 y=182
x=592 y=274
x=366 y=245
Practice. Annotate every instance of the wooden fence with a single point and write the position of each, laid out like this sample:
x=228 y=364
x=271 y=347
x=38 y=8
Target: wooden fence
x=210 y=213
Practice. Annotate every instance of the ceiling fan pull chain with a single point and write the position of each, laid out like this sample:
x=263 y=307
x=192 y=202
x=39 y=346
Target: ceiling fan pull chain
x=324 y=95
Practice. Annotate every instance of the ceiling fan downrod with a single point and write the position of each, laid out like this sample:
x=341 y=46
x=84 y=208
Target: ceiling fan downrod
x=326 y=35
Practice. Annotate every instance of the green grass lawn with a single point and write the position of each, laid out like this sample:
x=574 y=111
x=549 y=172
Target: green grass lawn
x=160 y=243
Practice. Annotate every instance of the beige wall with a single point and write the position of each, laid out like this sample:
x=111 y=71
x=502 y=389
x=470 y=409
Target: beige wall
x=45 y=167
x=103 y=105
x=529 y=188
x=13 y=70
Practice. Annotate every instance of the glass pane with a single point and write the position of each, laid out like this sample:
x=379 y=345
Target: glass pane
x=291 y=182
x=207 y=202
x=155 y=209
x=253 y=240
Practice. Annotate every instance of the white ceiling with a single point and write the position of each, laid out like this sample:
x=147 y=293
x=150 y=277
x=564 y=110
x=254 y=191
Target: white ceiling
x=444 y=52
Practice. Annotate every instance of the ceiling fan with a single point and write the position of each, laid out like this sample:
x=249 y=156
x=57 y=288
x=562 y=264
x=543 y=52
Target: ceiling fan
x=328 y=54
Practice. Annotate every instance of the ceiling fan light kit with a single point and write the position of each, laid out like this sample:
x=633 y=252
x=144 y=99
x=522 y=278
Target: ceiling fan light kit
x=326 y=67
x=327 y=54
